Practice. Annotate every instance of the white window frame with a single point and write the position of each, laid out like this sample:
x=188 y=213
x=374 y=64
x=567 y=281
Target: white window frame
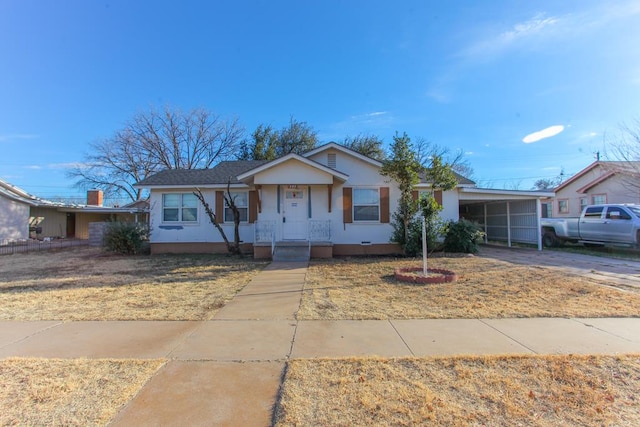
x=354 y=205
x=560 y=210
x=594 y=202
x=181 y=208
x=228 y=213
x=583 y=203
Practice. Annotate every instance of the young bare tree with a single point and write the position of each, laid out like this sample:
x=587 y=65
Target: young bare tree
x=233 y=247
x=155 y=140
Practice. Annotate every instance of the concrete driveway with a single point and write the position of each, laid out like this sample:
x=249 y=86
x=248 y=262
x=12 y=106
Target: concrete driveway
x=618 y=272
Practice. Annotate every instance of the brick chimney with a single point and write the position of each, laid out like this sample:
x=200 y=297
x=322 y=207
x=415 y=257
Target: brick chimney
x=94 y=197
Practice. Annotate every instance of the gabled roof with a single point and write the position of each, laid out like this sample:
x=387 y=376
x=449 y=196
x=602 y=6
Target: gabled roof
x=292 y=156
x=342 y=148
x=610 y=168
x=595 y=182
x=221 y=174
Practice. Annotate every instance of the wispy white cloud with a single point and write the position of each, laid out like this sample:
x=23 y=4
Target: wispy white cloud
x=369 y=117
x=33 y=167
x=70 y=165
x=371 y=122
x=495 y=43
x=17 y=136
x=542 y=134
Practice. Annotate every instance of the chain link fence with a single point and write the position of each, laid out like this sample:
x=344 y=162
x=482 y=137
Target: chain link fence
x=8 y=247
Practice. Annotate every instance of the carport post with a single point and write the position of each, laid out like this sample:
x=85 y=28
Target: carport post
x=508 y=224
x=539 y=223
x=486 y=230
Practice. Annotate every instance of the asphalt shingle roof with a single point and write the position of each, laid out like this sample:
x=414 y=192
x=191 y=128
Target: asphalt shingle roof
x=219 y=174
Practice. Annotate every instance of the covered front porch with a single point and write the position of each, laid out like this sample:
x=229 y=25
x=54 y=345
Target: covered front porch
x=295 y=205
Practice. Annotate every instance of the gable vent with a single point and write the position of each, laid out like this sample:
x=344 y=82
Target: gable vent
x=331 y=160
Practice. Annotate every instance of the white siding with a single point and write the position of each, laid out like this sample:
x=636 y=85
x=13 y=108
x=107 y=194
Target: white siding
x=200 y=231
x=293 y=172
x=361 y=174
x=14 y=220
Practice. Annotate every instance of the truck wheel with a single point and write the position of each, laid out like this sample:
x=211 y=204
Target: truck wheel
x=549 y=240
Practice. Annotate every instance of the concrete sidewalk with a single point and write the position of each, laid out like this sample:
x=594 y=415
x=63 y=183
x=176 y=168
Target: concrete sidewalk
x=269 y=340
x=228 y=370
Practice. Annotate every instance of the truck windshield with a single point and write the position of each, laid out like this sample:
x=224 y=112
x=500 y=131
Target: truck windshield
x=634 y=209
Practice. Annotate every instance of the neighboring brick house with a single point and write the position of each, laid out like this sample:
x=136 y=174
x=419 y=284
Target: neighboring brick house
x=600 y=182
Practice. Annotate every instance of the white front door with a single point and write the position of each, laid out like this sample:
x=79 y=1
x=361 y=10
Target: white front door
x=295 y=221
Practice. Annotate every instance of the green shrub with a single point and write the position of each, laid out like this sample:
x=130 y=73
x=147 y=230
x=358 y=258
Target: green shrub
x=412 y=246
x=463 y=236
x=125 y=237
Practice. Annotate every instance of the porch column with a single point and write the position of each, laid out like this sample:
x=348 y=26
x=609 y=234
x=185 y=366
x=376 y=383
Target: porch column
x=259 y=194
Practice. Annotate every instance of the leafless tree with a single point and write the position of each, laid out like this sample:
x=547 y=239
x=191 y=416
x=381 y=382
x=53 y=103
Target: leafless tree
x=233 y=247
x=426 y=151
x=625 y=152
x=156 y=140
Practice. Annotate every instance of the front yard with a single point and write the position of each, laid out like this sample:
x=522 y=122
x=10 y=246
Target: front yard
x=87 y=284
x=364 y=288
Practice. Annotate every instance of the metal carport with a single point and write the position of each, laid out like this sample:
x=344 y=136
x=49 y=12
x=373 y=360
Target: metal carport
x=504 y=215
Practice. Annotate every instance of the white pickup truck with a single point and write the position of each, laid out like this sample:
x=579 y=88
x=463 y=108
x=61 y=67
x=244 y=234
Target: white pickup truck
x=598 y=225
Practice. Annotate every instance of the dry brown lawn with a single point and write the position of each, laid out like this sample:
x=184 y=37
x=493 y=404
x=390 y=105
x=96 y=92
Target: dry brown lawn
x=464 y=391
x=486 y=288
x=87 y=284
x=79 y=392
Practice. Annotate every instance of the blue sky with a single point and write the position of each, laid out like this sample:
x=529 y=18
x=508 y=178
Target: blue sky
x=480 y=77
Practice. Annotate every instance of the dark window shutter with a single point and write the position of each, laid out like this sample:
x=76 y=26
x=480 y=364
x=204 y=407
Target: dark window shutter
x=438 y=196
x=384 y=204
x=219 y=207
x=347 y=210
x=253 y=206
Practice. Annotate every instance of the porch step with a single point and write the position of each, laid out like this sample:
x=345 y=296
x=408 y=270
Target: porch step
x=291 y=251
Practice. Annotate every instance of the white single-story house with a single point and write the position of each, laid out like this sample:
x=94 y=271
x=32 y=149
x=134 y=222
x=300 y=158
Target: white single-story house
x=331 y=199
x=24 y=216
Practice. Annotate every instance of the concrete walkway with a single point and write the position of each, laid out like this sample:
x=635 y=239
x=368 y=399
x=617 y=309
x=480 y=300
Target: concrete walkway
x=228 y=370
